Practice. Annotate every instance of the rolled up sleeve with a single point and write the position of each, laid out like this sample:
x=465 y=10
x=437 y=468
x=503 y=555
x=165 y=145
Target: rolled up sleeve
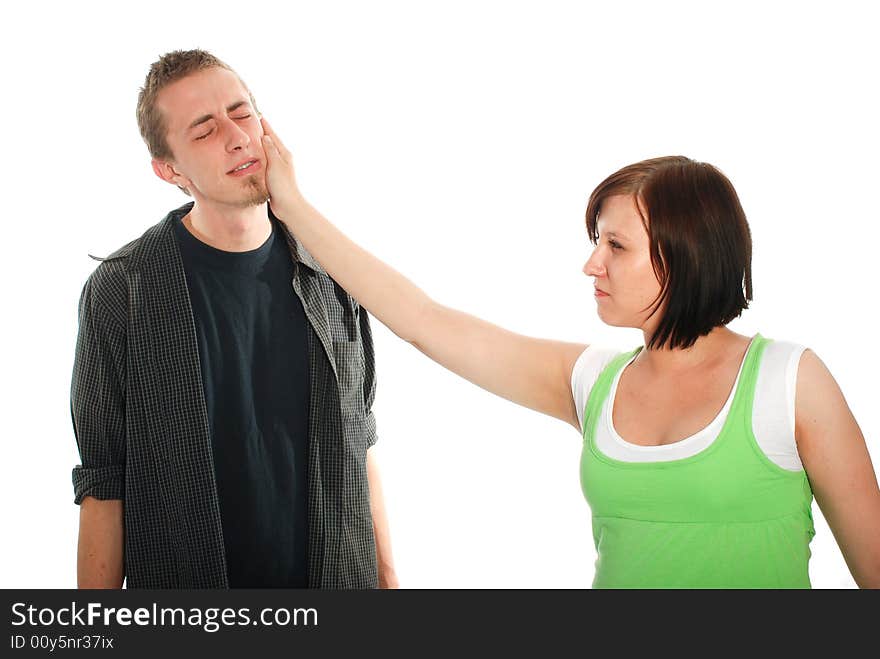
x=97 y=391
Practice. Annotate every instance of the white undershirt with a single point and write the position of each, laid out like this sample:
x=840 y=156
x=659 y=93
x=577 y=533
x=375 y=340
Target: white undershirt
x=772 y=411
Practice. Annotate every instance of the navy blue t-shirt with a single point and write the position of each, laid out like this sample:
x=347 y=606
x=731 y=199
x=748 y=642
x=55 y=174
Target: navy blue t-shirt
x=253 y=353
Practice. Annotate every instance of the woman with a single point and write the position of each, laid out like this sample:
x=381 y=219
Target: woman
x=703 y=449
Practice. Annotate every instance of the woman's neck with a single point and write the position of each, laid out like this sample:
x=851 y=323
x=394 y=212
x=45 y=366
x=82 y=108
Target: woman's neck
x=706 y=352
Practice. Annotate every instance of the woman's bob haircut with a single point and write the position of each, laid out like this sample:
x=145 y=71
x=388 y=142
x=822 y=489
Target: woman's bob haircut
x=701 y=247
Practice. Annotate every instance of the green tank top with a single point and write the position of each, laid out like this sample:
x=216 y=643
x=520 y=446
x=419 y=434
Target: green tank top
x=726 y=517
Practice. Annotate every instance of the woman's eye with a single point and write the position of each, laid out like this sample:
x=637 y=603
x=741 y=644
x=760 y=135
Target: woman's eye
x=614 y=244
x=247 y=116
x=201 y=137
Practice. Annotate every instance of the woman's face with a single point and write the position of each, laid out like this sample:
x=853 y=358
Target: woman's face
x=626 y=286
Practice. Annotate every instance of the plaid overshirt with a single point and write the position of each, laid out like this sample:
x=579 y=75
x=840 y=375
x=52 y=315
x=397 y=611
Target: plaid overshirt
x=141 y=424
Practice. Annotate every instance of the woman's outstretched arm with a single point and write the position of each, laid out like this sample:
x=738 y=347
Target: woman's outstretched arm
x=532 y=372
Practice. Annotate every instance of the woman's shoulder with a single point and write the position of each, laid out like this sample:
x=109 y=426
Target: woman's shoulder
x=809 y=382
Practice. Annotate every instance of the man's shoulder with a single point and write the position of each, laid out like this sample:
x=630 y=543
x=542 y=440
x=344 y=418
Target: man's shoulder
x=148 y=241
x=112 y=271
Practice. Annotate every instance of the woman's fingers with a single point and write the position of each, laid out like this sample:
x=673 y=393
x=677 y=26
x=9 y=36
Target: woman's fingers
x=274 y=140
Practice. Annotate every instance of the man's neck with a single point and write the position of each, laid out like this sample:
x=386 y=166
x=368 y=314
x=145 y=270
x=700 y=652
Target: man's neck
x=229 y=229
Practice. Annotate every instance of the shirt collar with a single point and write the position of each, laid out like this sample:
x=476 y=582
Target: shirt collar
x=299 y=253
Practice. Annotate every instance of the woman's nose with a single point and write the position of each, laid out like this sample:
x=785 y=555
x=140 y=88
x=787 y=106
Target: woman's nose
x=594 y=266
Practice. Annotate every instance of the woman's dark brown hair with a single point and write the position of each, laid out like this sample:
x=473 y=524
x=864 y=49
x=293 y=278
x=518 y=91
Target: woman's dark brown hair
x=701 y=247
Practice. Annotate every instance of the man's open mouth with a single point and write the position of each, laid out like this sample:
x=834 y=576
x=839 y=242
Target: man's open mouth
x=243 y=166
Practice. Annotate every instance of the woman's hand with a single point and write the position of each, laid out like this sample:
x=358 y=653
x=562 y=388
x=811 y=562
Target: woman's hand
x=284 y=195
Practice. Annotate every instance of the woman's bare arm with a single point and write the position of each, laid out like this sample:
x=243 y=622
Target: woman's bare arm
x=531 y=372
x=841 y=474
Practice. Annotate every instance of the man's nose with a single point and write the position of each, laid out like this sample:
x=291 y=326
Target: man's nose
x=236 y=138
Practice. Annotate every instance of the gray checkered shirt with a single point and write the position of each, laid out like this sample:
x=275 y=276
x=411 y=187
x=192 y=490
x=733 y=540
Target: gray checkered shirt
x=141 y=424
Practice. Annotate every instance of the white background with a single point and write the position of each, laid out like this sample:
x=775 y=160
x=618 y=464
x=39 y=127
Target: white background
x=459 y=141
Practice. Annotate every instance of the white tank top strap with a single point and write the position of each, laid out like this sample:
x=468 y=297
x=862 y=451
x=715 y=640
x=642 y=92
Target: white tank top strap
x=773 y=409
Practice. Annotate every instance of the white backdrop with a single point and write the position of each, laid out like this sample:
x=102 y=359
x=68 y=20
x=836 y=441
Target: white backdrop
x=459 y=141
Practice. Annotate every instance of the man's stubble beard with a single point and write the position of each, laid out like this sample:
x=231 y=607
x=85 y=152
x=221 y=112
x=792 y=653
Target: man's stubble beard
x=253 y=192
x=256 y=192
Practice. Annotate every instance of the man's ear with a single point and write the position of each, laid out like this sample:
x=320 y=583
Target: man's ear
x=166 y=171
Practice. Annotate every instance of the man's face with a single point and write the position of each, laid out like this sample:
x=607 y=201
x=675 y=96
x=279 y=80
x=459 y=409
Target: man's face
x=213 y=130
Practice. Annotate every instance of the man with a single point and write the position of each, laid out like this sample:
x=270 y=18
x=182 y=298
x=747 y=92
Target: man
x=223 y=383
